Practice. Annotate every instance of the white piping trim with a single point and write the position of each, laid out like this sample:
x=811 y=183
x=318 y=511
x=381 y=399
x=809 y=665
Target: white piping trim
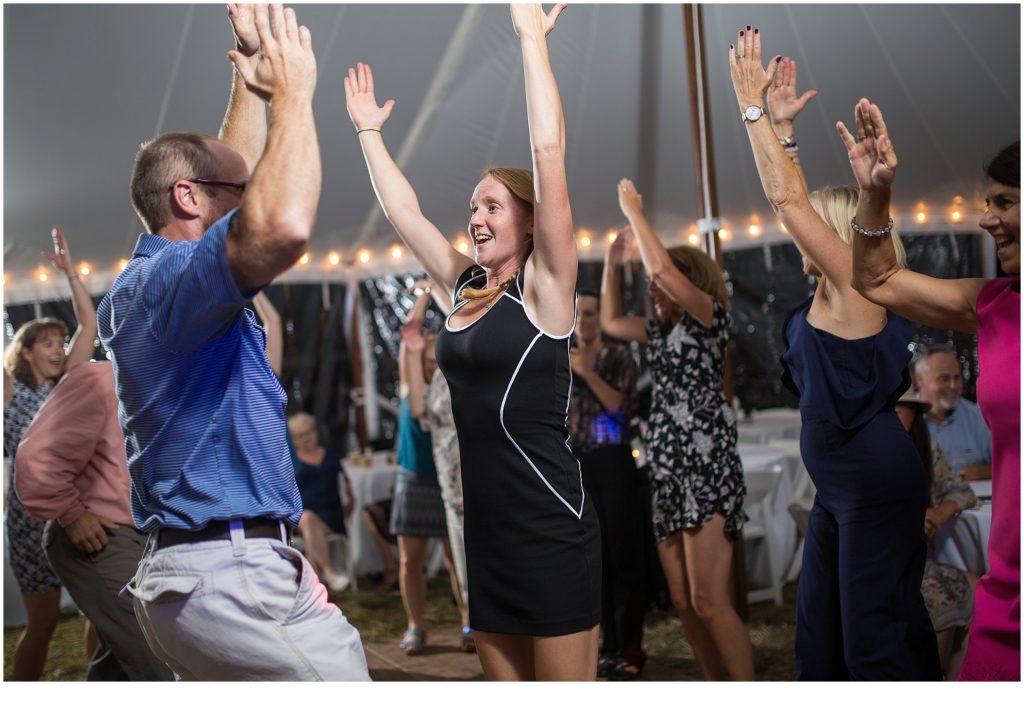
x=501 y=416
x=534 y=323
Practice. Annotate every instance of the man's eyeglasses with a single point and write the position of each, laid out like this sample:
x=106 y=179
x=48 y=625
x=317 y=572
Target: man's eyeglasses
x=215 y=183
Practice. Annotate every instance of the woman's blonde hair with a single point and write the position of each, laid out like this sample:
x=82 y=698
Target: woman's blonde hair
x=26 y=337
x=837 y=204
x=702 y=271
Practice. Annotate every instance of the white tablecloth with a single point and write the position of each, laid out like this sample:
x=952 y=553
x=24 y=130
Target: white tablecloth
x=963 y=541
x=757 y=458
x=370 y=484
x=760 y=429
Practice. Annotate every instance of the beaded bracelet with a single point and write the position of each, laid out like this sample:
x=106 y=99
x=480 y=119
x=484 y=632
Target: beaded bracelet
x=884 y=231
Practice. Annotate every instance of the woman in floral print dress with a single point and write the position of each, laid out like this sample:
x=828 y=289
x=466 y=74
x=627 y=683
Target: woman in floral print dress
x=696 y=477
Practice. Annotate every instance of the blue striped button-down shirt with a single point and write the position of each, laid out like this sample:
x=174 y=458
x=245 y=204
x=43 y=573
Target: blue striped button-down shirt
x=201 y=410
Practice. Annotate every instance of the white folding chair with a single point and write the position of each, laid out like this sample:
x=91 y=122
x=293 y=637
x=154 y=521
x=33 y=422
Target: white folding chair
x=762 y=489
x=803 y=500
x=340 y=552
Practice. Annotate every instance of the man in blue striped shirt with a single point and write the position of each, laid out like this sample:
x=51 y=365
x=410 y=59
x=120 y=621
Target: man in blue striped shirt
x=220 y=593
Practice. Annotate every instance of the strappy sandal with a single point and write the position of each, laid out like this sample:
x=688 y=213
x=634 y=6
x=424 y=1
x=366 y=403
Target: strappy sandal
x=467 y=644
x=626 y=669
x=412 y=641
x=606 y=662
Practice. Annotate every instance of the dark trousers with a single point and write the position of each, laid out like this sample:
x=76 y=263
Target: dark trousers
x=612 y=482
x=860 y=614
x=94 y=582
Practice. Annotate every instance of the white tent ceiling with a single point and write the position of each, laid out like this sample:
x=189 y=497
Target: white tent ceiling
x=84 y=85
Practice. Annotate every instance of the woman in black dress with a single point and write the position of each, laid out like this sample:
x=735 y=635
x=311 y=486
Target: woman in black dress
x=532 y=539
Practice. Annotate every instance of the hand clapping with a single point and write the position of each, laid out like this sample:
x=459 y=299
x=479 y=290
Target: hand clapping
x=872 y=155
x=287 y=65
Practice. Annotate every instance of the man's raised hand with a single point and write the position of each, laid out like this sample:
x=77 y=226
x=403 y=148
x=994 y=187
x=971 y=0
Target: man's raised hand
x=287 y=67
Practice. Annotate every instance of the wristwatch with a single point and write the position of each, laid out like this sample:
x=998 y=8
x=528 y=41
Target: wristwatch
x=752 y=113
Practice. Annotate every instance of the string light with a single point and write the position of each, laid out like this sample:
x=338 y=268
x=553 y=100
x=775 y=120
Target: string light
x=694 y=239
x=122 y=264
x=84 y=269
x=363 y=256
x=5 y=279
x=920 y=215
x=956 y=214
x=304 y=259
x=43 y=277
x=725 y=234
x=611 y=236
x=333 y=258
x=585 y=238
x=396 y=251
x=462 y=244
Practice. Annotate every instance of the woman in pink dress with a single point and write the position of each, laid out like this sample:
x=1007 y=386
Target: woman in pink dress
x=990 y=308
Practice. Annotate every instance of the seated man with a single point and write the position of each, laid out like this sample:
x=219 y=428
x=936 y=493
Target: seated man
x=955 y=423
x=71 y=470
x=220 y=593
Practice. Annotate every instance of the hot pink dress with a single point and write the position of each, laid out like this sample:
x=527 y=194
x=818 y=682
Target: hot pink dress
x=993 y=651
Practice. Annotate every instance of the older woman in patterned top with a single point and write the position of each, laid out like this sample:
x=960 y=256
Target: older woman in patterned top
x=948 y=592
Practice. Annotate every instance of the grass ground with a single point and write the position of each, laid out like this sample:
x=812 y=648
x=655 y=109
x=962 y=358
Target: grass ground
x=380 y=619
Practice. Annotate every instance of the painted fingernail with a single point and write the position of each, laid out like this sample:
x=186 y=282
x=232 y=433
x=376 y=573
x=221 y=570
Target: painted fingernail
x=741 y=33
x=778 y=60
x=756 y=30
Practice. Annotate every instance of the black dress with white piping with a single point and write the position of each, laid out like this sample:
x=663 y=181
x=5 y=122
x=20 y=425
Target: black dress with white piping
x=533 y=545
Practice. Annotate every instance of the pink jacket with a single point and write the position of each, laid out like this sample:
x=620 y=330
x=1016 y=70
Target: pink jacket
x=71 y=458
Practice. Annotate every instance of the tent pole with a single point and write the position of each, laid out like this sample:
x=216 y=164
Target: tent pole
x=707 y=204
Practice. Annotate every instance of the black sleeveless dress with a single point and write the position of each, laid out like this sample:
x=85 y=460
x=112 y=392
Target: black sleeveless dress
x=533 y=545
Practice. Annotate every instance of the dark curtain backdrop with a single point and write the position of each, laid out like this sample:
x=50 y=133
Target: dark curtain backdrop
x=765 y=284
x=316 y=371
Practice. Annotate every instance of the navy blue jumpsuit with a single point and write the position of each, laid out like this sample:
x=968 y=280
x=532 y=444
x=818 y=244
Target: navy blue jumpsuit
x=860 y=613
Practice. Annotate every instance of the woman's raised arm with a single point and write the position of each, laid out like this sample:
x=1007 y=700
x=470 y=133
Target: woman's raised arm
x=783 y=183
x=442 y=262
x=947 y=304
x=553 y=264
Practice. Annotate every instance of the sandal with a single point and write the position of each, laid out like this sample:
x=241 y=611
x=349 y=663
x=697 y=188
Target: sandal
x=467 y=644
x=412 y=641
x=626 y=669
x=606 y=662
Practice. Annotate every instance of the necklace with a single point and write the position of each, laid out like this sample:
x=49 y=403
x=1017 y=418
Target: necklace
x=492 y=294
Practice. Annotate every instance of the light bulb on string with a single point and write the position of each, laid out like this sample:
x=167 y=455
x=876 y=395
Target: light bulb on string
x=305 y=258
x=122 y=264
x=396 y=251
x=333 y=259
x=363 y=256
x=462 y=244
x=611 y=236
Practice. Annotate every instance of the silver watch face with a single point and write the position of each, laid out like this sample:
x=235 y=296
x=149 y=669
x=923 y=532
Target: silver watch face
x=752 y=113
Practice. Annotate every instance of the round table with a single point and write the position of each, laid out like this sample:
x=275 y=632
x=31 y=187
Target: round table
x=371 y=483
x=962 y=542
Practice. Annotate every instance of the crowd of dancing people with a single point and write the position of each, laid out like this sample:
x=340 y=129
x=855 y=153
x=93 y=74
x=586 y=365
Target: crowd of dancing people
x=162 y=488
